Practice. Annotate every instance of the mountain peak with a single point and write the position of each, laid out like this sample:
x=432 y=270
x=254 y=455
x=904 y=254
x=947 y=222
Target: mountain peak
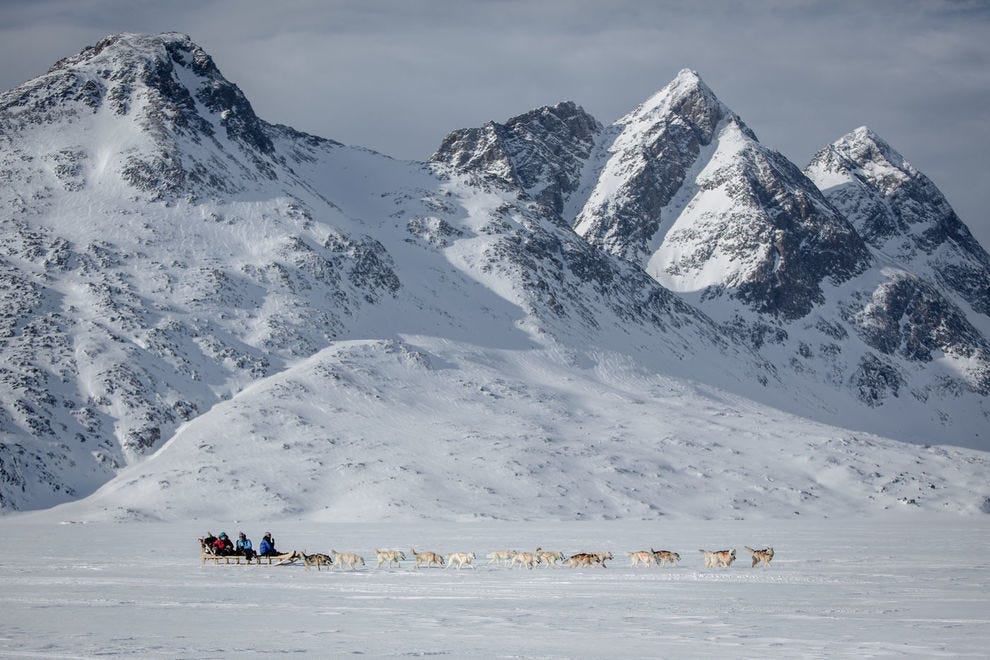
x=863 y=145
x=687 y=81
x=166 y=99
x=687 y=93
x=690 y=194
x=900 y=211
x=122 y=49
x=117 y=69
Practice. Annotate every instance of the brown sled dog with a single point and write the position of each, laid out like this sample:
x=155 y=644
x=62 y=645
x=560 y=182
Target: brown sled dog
x=764 y=555
x=665 y=557
x=585 y=559
x=428 y=558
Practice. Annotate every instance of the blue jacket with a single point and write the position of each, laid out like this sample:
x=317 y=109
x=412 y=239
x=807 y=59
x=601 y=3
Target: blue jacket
x=265 y=547
x=244 y=544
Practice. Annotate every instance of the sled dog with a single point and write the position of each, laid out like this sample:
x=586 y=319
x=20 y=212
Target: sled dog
x=461 y=559
x=719 y=558
x=390 y=556
x=428 y=558
x=348 y=559
x=549 y=558
x=527 y=559
x=602 y=556
x=665 y=557
x=764 y=555
x=585 y=559
x=501 y=556
x=318 y=560
x=640 y=557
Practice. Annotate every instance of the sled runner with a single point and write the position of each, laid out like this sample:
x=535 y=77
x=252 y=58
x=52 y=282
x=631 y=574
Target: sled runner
x=276 y=560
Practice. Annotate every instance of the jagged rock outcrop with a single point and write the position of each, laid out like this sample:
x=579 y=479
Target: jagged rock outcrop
x=541 y=152
x=907 y=317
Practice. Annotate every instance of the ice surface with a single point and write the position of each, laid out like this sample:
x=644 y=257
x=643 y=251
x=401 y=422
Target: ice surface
x=914 y=586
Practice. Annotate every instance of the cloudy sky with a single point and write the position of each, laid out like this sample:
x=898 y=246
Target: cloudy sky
x=396 y=76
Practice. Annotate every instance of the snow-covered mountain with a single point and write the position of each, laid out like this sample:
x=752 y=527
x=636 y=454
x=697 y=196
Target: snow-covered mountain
x=315 y=328
x=682 y=187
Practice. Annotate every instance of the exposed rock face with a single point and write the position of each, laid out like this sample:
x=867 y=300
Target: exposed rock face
x=901 y=213
x=541 y=152
x=650 y=154
x=908 y=317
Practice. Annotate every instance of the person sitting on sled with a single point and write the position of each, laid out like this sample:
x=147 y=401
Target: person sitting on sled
x=267 y=546
x=244 y=547
x=223 y=546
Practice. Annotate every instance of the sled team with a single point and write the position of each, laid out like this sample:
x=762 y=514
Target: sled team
x=221 y=546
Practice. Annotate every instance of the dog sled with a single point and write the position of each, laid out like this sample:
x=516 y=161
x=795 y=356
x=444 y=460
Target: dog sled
x=258 y=560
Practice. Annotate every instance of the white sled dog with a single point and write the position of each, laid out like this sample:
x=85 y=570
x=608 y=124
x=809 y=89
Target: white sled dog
x=665 y=557
x=461 y=559
x=348 y=559
x=719 y=558
x=764 y=555
x=640 y=557
x=500 y=557
x=317 y=559
x=390 y=556
x=527 y=559
x=428 y=558
x=548 y=557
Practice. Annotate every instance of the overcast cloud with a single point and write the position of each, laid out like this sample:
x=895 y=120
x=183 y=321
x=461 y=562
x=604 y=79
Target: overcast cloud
x=397 y=76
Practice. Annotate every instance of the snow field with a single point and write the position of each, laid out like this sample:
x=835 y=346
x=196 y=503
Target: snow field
x=896 y=585
x=370 y=431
